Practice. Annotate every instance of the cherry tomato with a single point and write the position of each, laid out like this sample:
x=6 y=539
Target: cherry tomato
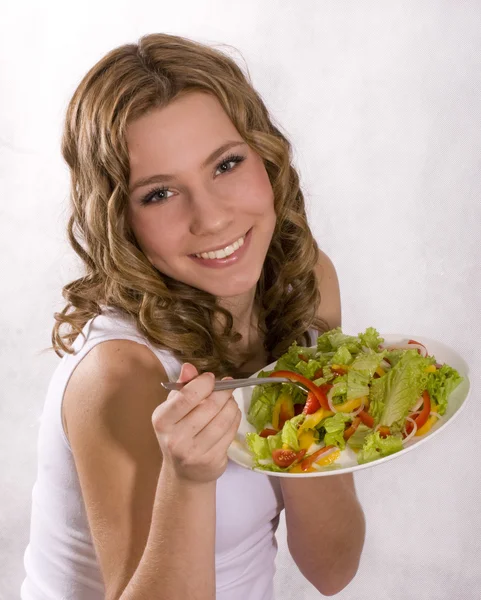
x=285 y=458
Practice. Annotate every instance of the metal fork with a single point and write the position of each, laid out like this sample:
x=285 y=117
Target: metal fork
x=230 y=384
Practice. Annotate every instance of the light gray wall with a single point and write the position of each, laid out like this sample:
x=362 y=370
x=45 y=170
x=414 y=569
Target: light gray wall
x=382 y=103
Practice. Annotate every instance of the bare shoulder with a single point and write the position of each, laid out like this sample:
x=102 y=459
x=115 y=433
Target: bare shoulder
x=113 y=372
x=328 y=282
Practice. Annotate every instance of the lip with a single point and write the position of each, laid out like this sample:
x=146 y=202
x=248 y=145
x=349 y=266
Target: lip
x=219 y=263
x=220 y=247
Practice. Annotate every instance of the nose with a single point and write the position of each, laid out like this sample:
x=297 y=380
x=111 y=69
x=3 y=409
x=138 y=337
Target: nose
x=209 y=213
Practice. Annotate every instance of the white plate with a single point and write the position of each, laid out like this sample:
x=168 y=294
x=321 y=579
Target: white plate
x=240 y=454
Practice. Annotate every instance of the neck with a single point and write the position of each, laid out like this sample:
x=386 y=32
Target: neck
x=245 y=315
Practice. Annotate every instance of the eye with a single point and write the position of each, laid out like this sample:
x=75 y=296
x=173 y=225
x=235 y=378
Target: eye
x=156 y=195
x=233 y=158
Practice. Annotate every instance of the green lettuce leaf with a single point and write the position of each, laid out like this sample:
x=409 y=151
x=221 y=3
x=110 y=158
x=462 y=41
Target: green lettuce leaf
x=393 y=395
x=262 y=448
x=441 y=384
x=367 y=363
x=308 y=369
x=371 y=339
x=263 y=399
x=394 y=356
x=289 y=431
x=342 y=356
x=324 y=341
x=357 y=384
x=334 y=427
x=339 y=339
x=339 y=390
x=356 y=441
x=375 y=447
x=290 y=360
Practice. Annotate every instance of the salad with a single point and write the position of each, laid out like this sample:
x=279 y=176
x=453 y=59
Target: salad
x=358 y=394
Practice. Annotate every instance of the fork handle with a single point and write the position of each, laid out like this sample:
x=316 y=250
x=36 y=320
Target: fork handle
x=230 y=384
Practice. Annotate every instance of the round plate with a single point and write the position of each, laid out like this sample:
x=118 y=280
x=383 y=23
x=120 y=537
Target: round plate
x=240 y=454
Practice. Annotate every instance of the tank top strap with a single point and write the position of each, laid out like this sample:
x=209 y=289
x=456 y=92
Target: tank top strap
x=112 y=324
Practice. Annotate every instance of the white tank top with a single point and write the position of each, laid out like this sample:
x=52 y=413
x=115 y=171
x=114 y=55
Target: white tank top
x=60 y=559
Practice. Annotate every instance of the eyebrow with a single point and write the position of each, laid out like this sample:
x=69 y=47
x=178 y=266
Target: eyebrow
x=210 y=159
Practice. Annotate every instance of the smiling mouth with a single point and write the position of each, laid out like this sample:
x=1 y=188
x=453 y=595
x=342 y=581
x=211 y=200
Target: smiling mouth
x=223 y=252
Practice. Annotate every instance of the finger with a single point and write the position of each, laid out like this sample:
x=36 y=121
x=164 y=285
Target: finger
x=228 y=436
x=216 y=428
x=200 y=416
x=187 y=373
x=181 y=403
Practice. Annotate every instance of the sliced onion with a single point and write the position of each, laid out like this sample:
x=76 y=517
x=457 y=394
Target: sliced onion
x=413 y=432
x=406 y=346
x=415 y=415
x=313 y=448
x=367 y=350
x=420 y=347
x=418 y=404
x=329 y=400
x=324 y=455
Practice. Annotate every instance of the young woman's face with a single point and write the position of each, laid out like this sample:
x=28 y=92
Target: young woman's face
x=213 y=199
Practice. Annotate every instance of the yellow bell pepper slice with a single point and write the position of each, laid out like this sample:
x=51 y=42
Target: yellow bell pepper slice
x=283 y=402
x=314 y=419
x=306 y=439
x=430 y=422
x=275 y=415
x=350 y=405
x=430 y=369
x=297 y=469
x=380 y=371
x=330 y=458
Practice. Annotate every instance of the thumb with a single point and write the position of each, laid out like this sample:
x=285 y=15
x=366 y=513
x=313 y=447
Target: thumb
x=187 y=373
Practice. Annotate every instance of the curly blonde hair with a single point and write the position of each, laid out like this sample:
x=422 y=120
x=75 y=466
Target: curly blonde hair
x=122 y=86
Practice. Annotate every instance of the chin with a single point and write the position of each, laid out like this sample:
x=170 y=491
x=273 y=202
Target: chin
x=228 y=289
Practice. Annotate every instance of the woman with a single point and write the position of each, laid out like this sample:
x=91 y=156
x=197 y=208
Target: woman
x=199 y=263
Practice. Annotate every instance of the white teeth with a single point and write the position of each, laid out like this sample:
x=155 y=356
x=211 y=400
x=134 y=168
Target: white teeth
x=224 y=252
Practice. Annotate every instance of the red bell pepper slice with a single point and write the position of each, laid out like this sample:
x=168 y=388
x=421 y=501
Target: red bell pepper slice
x=366 y=418
x=419 y=343
x=307 y=462
x=267 y=432
x=423 y=415
x=384 y=431
x=350 y=430
x=285 y=458
x=319 y=392
x=298 y=408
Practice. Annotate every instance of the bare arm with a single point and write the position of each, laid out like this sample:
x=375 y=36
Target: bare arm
x=153 y=529
x=178 y=561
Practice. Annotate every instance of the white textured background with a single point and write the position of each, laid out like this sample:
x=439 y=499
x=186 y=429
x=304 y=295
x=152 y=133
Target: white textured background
x=382 y=102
